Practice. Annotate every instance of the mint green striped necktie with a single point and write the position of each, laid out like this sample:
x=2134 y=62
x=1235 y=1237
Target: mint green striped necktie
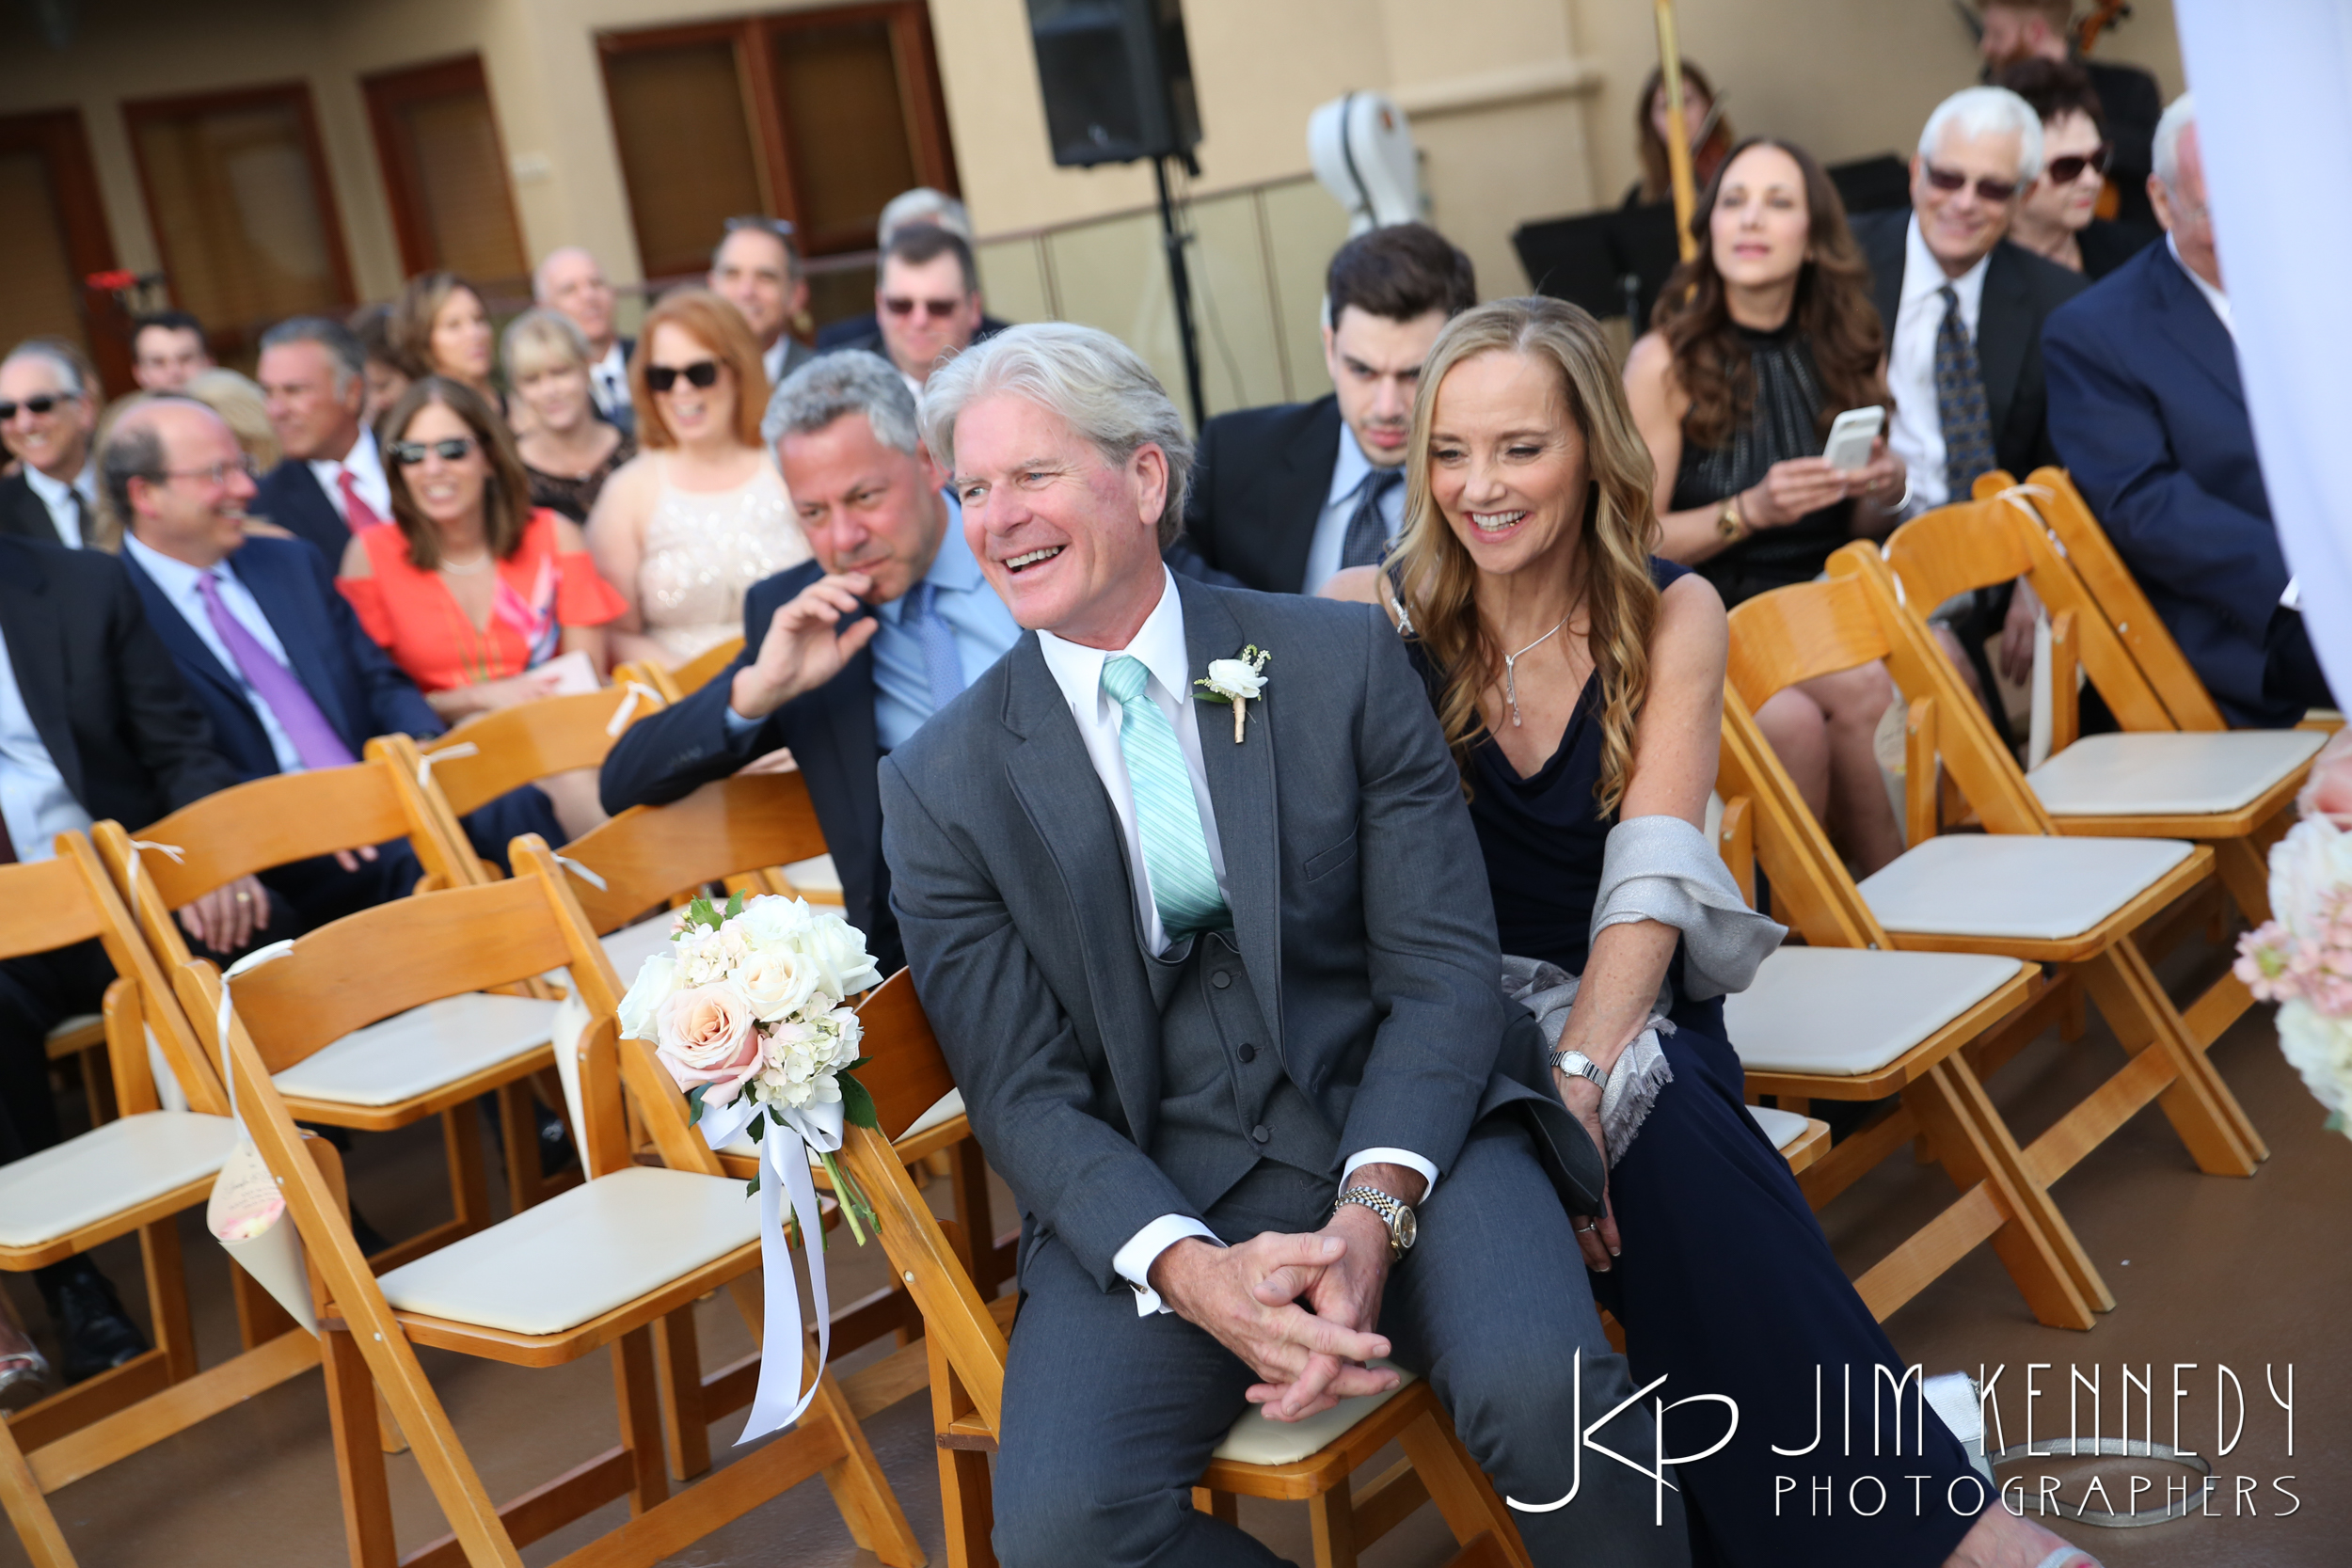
x=1175 y=846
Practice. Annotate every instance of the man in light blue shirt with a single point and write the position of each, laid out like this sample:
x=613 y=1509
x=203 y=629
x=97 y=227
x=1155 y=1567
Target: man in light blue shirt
x=845 y=656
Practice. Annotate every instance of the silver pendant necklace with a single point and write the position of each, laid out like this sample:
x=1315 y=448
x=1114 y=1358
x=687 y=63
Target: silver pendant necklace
x=1510 y=670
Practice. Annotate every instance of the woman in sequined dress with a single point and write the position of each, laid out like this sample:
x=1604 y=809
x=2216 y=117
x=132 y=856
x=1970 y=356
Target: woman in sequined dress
x=701 y=514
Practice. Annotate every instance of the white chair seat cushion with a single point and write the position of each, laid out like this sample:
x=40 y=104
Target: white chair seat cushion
x=422 y=1050
x=1783 y=1127
x=581 y=1254
x=631 y=946
x=73 y=1026
x=110 y=1168
x=951 y=1105
x=2015 y=884
x=1255 y=1440
x=1845 y=1012
x=2146 y=775
x=815 y=878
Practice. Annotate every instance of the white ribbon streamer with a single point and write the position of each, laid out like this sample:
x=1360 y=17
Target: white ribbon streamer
x=784 y=1152
x=445 y=754
x=254 y=959
x=579 y=871
x=178 y=855
x=627 y=707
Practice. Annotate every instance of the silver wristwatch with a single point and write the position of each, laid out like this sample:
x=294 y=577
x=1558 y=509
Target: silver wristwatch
x=1578 y=1065
x=1394 y=1212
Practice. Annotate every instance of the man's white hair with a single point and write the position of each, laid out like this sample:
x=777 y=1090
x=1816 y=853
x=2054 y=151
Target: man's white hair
x=2179 y=115
x=69 y=373
x=923 y=205
x=1084 y=375
x=1974 y=112
x=539 y=273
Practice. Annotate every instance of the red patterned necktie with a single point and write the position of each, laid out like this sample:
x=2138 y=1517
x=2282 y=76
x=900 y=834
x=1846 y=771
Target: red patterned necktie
x=358 y=514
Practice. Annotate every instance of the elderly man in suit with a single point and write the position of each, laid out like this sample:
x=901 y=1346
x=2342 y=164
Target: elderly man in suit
x=331 y=483
x=2149 y=416
x=48 y=408
x=572 y=282
x=1286 y=496
x=1224 y=1011
x=846 y=656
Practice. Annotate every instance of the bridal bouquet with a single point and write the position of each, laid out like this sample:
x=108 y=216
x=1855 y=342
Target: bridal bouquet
x=2301 y=958
x=748 y=1012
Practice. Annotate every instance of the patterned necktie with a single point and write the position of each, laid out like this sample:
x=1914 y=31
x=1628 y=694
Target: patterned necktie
x=1368 y=525
x=1175 y=847
x=1960 y=405
x=313 y=739
x=357 y=515
x=937 y=640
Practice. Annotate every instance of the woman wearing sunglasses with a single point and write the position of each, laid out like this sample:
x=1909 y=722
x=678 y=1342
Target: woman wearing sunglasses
x=474 y=588
x=2058 y=215
x=702 y=514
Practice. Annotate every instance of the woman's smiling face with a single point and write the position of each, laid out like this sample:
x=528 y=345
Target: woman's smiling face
x=1507 y=466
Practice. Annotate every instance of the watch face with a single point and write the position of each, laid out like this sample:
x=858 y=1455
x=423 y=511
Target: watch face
x=1405 y=1228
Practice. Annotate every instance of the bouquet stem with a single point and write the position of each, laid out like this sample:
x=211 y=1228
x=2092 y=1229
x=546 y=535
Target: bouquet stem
x=854 y=1207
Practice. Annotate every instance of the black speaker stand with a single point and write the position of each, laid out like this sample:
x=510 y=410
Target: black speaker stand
x=1180 y=286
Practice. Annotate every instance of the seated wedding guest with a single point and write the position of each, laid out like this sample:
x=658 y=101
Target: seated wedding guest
x=48 y=410
x=372 y=325
x=2016 y=31
x=167 y=348
x=756 y=269
x=2149 y=416
x=1100 y=895
x=440 y=327
x=1709 y=134
x=1283 y=496
x=1758 y=343
x=1579 y=682
x=331 y=482
x=570 y=280
x=2058 y=216
x=846 y=656
x=567 y=451
x=927 y=299
x=472 y=589
x=685 y=530
x=907 y=208
x=94 y=723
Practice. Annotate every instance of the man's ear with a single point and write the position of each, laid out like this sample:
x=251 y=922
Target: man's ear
x=2161 y=199
x=1149 y=468
x=933 y=475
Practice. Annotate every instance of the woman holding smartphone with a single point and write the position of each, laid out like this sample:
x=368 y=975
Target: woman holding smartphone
x=1756 y=345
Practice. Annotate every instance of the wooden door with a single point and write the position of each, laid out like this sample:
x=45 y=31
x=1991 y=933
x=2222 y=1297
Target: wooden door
x=445 y=173
x=54 y=240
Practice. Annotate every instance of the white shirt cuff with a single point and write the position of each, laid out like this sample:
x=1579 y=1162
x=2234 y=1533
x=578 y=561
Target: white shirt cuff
x=1133 y=1263
x=1391 y=1157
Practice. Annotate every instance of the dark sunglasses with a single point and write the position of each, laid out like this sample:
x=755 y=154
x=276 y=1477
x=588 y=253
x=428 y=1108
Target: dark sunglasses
x=454 y=449
x=701 y=373
x=1995 y=191
x=41 y=405
x=2066 y=170
x=938 y=310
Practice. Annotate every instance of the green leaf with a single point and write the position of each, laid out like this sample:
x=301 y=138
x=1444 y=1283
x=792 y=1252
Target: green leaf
x=735 y=905
x=751 y=1188
x=859 y=1063
x=703 y=913
x=857 y=1107
x=759 y=1127
x=695 y=1104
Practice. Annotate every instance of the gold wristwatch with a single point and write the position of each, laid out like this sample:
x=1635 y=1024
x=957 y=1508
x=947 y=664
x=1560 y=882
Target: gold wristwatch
x=1394 y=1212
x=1728 y=522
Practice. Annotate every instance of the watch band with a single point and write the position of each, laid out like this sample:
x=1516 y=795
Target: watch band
x=1728 y=523
x=1577 y=1064
x=1393 y=1212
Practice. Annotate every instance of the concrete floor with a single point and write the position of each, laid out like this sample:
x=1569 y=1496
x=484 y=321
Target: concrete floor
x=2204 y=1270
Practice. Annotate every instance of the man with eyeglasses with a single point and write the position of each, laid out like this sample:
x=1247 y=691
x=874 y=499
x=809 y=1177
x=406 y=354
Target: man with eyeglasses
x=47 y=411
x=2150 y=415
x=756 y=269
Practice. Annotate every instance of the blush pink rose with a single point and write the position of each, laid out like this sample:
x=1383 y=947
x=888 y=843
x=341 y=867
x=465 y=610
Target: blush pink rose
x=2328 y=792
x=706 y=1038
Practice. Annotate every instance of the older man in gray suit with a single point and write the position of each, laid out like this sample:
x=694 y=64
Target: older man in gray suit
x=1222 y=997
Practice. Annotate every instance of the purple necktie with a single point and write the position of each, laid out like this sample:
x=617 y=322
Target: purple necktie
x=314 y=739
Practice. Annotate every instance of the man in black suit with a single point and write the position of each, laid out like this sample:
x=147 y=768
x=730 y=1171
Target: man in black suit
x=2128 y=97
x=846 y=656
x=330 y=485
x=167 y=351
x=903 y=211
x=94 y=723
x=1284 y=496
x=570 y=280
x=756 y=269
x=48 y=407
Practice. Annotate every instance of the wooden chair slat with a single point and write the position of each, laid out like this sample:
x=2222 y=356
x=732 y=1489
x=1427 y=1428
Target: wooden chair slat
x=728 y=826
x=1795 y=633
x=518 y=745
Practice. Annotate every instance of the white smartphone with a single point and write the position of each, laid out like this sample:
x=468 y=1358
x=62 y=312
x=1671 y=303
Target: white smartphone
x=1851 y=436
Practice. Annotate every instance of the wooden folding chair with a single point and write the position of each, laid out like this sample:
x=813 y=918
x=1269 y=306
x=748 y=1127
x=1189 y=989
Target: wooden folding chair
x=2016 y=890
x=647 y=855
x=405 y=1070
x=135 y=1173
x=2231 y=790
x=82 y=1040
x=689 y=677
x=964 y=1336
x=604 y=1264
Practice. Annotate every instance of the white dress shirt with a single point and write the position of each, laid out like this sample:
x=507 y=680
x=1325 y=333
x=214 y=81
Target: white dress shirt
x=2214 y=297
x=608 y=380
x=34 y=799
x=1159 y=643
x=1330 y=537
x=366 y=477
x=1917 y=435
x=178 y=579
x=57 y=495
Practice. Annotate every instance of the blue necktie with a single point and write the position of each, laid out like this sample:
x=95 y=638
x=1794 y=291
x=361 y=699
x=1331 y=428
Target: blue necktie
x=1368 y=525
x=937 y=640
x=1175 y=846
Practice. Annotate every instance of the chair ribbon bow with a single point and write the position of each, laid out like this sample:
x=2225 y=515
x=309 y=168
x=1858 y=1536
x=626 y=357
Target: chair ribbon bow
x=627 y=708
x=444 y=753
x=591 y=877
x=254 y=959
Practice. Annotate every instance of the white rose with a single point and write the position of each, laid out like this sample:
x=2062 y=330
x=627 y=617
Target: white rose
x=1233 y=677
x=771 y=919
x=656 y=978
x=838 y=949
x=2320 y=1048
x=779 y=981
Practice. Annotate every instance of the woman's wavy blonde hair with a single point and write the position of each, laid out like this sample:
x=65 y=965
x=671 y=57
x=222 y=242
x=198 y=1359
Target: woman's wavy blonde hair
x=1435 y=579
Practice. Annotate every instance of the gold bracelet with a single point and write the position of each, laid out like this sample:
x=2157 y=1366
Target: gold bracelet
x=1728 y=523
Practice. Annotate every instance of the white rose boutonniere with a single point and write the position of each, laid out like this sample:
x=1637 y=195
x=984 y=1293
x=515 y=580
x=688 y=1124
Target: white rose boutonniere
x=1240 y=681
